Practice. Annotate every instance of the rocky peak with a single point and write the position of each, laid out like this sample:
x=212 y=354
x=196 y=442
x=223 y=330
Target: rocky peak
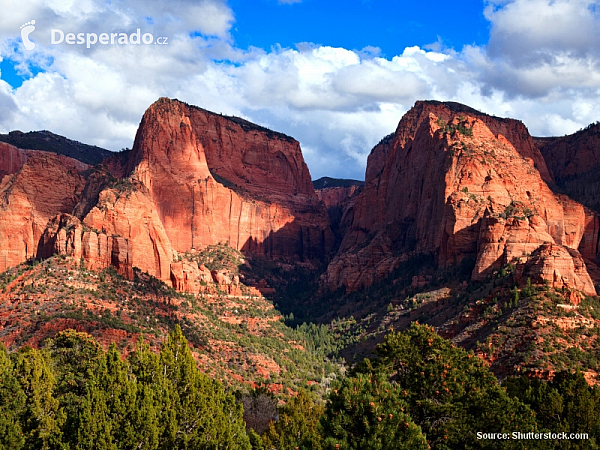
x=220 y=179
x=455 y=183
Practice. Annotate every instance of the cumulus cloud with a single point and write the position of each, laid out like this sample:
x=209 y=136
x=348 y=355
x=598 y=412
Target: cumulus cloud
x=337 y=102
x=537 y=46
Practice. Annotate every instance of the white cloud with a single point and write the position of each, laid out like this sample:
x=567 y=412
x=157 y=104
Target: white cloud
x=537 y=46
x=337 y=102
x=527 y=31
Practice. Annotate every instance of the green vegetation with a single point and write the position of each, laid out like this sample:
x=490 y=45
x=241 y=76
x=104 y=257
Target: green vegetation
x=297 y=426
x=419 y=392
x=236 y=340
x=565 y=404
x=451 y=127
x=73 y=395
x=367 y=412
x=449 y=393
x=217 y=257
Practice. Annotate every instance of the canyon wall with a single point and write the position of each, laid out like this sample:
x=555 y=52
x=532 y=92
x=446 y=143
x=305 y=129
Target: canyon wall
x=458 y=184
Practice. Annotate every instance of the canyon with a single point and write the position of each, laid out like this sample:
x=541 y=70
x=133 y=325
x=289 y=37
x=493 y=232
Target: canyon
x=451 y=191
x=451 y=181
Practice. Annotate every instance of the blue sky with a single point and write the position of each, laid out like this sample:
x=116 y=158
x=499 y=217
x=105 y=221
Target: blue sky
x=355 y=24
x=337 y=76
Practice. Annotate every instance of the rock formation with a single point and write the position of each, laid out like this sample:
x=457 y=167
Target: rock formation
x=336 y=197
x=561 y=266
x=193 y=178
x=66 y=235
x=34 y=188
x=458 y=184
x=572 y=155
x=575 y=163
x=220 y=179
x=339 y=203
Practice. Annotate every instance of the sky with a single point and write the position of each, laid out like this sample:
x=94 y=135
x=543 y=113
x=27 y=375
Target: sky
x=337 y=76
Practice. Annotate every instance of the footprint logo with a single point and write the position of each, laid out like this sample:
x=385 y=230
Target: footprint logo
x=26 y=30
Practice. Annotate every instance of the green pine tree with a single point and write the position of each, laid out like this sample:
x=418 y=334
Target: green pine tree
x=205 y=416
x=75 y=357
x=450 y=393
x=297 y=426
x=367 y=412
x=12 y=405
x=42 y=418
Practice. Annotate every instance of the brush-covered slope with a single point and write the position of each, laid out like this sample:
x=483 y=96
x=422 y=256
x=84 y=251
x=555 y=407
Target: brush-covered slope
x=236 y=338
x=54 y=143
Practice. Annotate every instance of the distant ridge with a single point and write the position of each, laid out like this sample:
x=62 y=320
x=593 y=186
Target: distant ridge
x=50 y=142
x=327 y=182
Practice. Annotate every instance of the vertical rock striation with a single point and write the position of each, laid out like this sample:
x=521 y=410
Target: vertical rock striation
x=219 y=179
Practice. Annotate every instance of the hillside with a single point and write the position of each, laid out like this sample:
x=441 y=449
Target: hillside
x=239 y=339
x=50 y=142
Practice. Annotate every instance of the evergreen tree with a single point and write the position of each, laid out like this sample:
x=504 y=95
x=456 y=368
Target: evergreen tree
x=119 y=412
x=12 y=405
x=205 y=416
x=95 y=430
x=368 y=413
x=297 y=426
x=256 y=442
x=155 y=394
x=42 y=418
x=75 y=357
x=451 y=395
x=565 y=404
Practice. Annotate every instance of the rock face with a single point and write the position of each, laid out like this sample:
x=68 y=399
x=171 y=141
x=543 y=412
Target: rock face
x=561 y=266
x=575 y=162
x=193 y=179
x=572 y=155
x=65 y=235
x=339 y=203
x=218 y=179
x=458 y=184
x=336 y=197
x=35 y=187
x=127 y=212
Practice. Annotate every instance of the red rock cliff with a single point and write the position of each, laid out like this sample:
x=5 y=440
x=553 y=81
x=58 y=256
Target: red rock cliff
x=35 y=187
x=574 y=154
x=193 y=178
x=218 y=179
x=449 y=182
x=336 y=197
x=575 y=162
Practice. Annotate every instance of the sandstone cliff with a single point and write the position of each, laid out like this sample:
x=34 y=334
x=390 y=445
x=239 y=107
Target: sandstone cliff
x=458 y=184
x=193 y=178
x=65 y=235
x=572 y=155
x=336 y=197
x=219 y=179
x=35 y=187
